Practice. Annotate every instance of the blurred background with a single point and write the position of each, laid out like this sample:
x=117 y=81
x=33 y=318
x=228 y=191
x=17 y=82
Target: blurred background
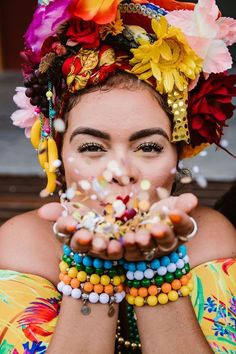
x=21 y=179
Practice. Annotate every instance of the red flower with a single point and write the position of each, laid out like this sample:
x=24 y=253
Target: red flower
x=209 y=106
x=83 y=32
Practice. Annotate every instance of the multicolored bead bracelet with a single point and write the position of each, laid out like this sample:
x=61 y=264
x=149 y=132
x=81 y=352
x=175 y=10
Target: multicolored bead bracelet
x=91 y=279
x=159 y=281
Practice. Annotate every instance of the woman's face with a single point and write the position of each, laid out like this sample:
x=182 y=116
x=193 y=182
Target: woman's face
x=127 y=126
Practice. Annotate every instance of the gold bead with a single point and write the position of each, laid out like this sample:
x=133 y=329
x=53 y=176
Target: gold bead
x=133 y=345
x=121 y=340
x=139 y=345
x=176 y=113
x=127 y=343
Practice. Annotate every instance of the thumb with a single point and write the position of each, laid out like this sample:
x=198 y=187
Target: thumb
x=51 y=211
x=186 y=202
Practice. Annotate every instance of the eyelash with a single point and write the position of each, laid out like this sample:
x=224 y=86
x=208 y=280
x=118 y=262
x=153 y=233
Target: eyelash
x=89 y=147
x=86 y=147
x=158 y=148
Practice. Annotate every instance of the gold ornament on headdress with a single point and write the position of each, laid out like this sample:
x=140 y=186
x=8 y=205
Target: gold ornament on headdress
x=172 y=62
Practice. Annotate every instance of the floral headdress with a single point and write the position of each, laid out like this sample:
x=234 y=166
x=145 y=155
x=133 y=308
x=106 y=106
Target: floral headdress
x=178 y=48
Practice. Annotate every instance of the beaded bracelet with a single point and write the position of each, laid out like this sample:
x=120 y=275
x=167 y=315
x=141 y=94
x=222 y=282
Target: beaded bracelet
x=159 y=281
x=91 y=279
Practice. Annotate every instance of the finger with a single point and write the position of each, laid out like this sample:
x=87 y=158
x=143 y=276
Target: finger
x=81 y=241
x=130 y=242
x=51 y=211
x=131 y=250
x=114 y=250
x=164 y=236
x=143 y=239
x=66 y=224
x=99 y=244
x=186 y=202
x=182 y=223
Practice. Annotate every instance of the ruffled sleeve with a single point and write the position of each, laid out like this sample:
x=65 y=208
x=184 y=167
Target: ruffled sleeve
x=214 y=302
x=29 y=307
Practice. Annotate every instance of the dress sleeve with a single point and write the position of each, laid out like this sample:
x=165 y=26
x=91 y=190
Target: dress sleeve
x=29 y=307
x=214 y=302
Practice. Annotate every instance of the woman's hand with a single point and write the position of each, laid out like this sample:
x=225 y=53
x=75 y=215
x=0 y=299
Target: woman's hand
x=162 y=238
x=135 y=245
x=82 y=240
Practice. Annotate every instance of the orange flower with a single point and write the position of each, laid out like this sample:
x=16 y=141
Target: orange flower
x=99 y=11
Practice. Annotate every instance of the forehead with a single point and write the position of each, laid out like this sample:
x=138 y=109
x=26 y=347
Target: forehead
x=118 y=111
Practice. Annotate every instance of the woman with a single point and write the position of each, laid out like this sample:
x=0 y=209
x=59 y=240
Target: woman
x=137 y=155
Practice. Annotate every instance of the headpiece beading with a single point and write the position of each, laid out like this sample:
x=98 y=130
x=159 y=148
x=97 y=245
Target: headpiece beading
x=180 y=49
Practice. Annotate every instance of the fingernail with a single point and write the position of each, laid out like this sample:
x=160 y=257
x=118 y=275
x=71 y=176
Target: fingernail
x=159 y=233
x=83 y=237
x=71 y=228
x=175 y=218
x=99 y=244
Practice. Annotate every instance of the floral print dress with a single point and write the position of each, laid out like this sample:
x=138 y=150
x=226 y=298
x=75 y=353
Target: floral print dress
x=30 y=304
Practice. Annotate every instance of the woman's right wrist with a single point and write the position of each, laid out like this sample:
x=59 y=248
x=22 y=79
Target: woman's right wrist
x=91 y=280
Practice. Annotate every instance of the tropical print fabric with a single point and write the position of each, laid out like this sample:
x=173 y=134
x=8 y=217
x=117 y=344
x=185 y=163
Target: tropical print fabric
x=30 y=304
x=214 y=303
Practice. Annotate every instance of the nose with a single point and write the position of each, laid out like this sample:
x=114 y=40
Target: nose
x=128 y=174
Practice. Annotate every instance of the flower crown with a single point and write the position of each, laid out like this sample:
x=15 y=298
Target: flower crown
x=180 y=49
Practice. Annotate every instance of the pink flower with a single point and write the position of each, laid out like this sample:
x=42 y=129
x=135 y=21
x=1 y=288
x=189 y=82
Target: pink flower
x=207 y=34
x=25 y=116
x=45 y=23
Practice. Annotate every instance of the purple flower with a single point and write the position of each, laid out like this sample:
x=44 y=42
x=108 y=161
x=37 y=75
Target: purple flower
x=45 y=23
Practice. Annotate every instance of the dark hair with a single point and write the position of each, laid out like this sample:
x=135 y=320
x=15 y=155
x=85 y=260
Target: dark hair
x=121 y=80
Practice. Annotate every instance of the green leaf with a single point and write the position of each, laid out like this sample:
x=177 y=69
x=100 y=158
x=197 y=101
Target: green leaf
x=199 y=301
x=5 y=347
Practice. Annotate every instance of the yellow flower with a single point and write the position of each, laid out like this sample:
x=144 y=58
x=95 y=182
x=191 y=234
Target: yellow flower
x=169 y=59
x=115 y=27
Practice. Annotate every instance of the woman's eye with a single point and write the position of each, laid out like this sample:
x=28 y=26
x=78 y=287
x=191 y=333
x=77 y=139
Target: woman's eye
x=91 y=147
x=149 y=147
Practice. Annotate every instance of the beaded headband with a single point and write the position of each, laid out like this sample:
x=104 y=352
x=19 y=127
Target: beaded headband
x=180 y=49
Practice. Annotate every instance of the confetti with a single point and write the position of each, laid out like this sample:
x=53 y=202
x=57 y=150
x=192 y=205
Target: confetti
x=107 y=175
x=201 y=181
x=144 y=205
x=59 y=125
x=224 y=143
x=84 y=184
x=70 y=193
x=203 y=153
x=145 y=185
x=196 y=169
x=56 y=163
x=119 y=208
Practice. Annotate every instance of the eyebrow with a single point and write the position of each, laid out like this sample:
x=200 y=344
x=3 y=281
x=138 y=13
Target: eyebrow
x=90 y=131
x=103 y=135
x=147 y=132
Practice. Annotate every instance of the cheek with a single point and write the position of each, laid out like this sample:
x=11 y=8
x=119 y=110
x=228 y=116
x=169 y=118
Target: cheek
x=161 y=173
x=79 y=168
